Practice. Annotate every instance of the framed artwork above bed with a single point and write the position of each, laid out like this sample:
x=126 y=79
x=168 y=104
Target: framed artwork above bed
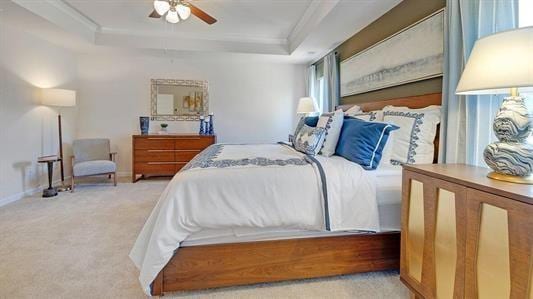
x=415 y=53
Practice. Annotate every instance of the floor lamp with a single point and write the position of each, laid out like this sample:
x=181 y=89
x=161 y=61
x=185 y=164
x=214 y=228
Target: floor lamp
x=59 y=98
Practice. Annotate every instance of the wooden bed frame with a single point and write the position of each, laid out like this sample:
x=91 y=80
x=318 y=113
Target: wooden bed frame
x=222 y=265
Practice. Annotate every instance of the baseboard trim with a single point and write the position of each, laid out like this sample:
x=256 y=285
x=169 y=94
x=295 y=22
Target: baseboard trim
x=18 y=196
x=123 y=173
x=12 y=198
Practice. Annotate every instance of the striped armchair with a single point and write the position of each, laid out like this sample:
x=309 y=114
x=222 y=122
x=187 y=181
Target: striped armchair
x=93 y=157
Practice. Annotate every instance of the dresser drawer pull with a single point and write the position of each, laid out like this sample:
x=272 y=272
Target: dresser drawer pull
x=165 y=163
x=173 y=138
x=159 y=151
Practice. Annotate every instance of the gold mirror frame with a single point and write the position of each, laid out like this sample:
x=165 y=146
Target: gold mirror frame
x=189 y=83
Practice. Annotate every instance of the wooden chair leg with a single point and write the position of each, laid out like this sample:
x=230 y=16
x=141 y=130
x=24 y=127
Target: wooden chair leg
x=114 y=179
x=72 y=183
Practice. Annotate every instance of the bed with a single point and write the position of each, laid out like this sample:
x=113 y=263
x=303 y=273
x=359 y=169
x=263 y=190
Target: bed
x=226 y=247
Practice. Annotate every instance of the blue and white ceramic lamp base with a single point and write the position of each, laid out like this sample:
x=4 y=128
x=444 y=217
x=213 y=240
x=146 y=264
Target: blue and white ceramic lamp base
x=512 y=157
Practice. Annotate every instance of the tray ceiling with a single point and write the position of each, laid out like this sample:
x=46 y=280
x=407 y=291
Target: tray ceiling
x=302 y=30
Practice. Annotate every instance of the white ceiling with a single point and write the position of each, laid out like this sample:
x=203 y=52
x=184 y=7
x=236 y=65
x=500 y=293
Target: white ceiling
x=298 y=30
x=237 y=19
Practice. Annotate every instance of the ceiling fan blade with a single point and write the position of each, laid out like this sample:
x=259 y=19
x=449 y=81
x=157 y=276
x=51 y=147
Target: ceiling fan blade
x=154 y=14
x=202 y=15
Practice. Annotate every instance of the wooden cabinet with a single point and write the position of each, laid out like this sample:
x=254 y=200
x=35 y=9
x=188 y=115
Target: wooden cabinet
x=465 y=235
x=165 y=154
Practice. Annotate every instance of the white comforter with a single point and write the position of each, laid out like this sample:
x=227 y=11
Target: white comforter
x=254 y=186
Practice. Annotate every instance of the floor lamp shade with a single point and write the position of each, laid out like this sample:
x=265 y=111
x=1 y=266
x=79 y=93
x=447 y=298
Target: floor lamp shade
x=58 y=97
x=503 y=63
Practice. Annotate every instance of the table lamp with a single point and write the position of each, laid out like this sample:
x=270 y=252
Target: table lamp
x=59 y=98
x=502 y=63
x=306 y=105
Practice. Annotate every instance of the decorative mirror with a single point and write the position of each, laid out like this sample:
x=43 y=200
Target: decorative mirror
x=179 y=99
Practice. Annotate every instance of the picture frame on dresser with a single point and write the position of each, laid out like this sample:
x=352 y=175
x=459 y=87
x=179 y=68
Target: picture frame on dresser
x=165 y=155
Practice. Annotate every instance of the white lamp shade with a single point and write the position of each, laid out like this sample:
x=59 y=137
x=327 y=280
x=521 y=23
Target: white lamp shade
x=172 y=17
x=161 y=6
x=499 y=62
x=183 y=11
x=58 y=97
x=307 y=105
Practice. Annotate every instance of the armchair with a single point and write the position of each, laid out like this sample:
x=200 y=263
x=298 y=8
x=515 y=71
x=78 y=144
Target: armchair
x=93 y=157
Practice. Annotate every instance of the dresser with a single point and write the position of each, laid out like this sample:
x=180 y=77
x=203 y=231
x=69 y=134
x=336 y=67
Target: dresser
x=465 y=235
x=165 y=154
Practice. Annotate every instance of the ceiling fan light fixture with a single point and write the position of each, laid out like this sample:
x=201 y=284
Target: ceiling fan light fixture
x=183 y=11
x=172 y=16
x=161 y=6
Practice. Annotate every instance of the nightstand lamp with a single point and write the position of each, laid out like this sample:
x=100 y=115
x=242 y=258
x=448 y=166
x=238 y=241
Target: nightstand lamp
x=306 y=106
x=59 y=98
x=502 y=63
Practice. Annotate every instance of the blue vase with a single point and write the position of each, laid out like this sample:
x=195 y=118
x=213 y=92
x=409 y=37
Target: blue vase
x=211 y=131
x=145 y=124
x=202 y=130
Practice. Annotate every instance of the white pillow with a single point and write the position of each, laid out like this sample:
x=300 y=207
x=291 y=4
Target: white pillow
x=353 y=110
x=376 y=115
x=413 y=142
x=386 y=155
x=332 y=122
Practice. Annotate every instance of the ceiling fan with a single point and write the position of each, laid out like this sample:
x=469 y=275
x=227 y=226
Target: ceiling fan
x=177 y=10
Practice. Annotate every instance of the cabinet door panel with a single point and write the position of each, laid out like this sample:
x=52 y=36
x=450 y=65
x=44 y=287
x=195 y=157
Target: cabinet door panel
x=499 y=246
x=433 y=236
x=445 y=244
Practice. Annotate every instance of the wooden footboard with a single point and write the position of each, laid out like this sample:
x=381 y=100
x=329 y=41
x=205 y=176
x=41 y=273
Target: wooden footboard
x=233 y=264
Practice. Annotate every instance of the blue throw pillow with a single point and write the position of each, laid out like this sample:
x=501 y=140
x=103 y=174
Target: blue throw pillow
x=363 y=142
x=311 y=121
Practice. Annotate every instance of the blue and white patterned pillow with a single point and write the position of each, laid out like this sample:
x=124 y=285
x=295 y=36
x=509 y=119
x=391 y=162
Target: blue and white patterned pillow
x=413 y=142
x=309 y=140
x=332 y=122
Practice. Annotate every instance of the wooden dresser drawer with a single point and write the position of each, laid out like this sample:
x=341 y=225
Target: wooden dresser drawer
x=198 y=143
x=156 y=167
x=157 y=143
x=185 y=155
x=154 y=155
x=165 y=155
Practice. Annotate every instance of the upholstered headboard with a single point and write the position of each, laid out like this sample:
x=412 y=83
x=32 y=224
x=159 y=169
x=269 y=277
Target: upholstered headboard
x=414 y=102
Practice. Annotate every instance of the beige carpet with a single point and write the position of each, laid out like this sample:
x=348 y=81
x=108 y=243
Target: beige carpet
x=76 y=246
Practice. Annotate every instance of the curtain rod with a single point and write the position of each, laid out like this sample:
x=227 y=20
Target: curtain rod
x=321 y=59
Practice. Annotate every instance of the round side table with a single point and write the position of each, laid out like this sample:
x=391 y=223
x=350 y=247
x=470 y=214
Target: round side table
x=49 y=160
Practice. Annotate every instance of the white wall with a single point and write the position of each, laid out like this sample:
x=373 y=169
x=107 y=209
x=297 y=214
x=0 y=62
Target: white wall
x=27 y=129
x=253 y=101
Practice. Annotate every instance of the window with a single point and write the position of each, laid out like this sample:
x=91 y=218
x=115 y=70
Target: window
x=525 y=19
x=320 y=86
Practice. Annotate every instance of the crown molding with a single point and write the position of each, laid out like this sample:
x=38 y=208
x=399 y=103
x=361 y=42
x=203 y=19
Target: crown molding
x=181 y=43
x=239 y=38
x=63 y=15
x=312 y=17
